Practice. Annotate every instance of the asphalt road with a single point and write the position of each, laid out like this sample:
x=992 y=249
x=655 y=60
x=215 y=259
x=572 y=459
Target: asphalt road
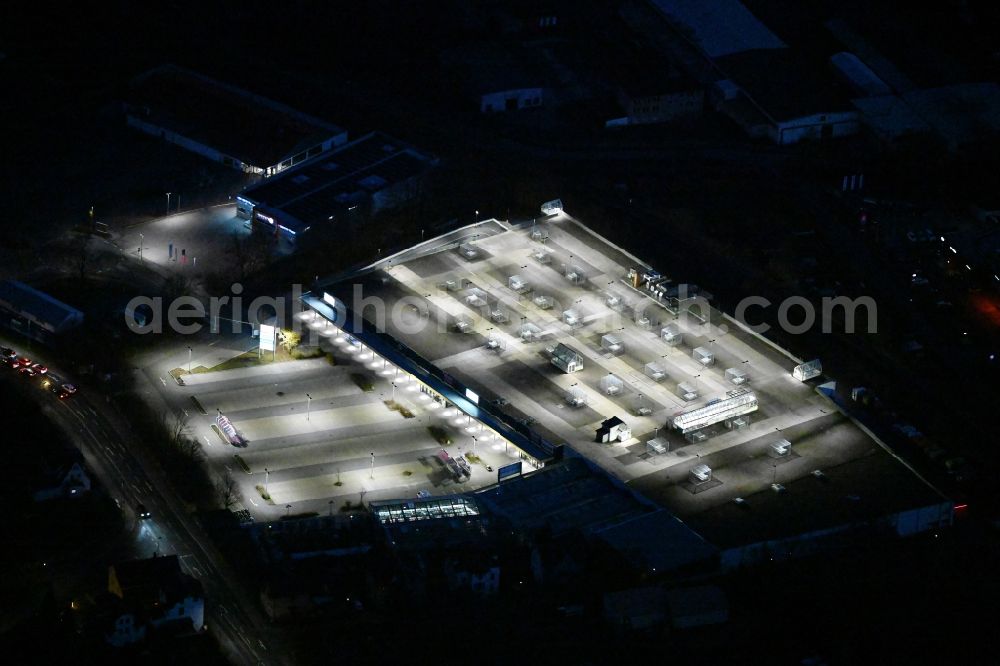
x=119 y=461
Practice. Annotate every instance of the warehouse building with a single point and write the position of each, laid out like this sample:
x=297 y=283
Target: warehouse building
x=768 y=88
x=361 y=178
x=35 y=314
x=224 y=123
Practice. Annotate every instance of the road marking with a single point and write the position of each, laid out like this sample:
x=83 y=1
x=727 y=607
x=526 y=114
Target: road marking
x=207 y=440
x=163 y=381
x=252 y=502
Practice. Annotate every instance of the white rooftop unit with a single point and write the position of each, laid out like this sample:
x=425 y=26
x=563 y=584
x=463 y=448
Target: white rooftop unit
x=542 y=256
x=499 y=315
x=566 y=359
x=468 y=250
x=575 y=397
x=476 y=297
x=463 y=324
x=613 y=301
x=807 y=371
x=452 y=284
x=553 y=207
x=575 y=274
x=530 y=332
x=737 y=402
x=687 y=391
x=571 y=317
x=542 y=301
x=612 y=384
x=781 y=448
x=612 y=343
x=672 y=335
x=703 y=355
x=657 y=446
x=655 y=371
x=701 y=474
x=736 y=375
x=517 y=283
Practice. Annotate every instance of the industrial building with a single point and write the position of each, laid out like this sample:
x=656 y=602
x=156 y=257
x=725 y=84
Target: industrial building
x=765 y=86
x=370 y=174
x=34 y=314
x=225 y=123
x=498 y=78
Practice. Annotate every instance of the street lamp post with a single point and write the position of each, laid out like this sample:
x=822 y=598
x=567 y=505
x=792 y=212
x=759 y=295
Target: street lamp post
x=141 y=237
x=168 y=201
x=371 y=474
x=190 y=354
x=309 y=401
x=266 y=475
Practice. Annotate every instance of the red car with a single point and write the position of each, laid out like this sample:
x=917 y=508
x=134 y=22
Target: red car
x=27 y=371
x=23 y=361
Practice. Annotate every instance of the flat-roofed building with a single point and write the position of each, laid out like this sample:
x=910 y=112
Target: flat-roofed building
x=35 y=314
x=373 y=173
x=225 y=123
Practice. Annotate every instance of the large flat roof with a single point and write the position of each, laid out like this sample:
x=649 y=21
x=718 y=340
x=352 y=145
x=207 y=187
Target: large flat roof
x=39 y=306
x=572 y=497
x=437 y=280
x=854 y=492
x=236 y=122
x=719 y=27
x=314 y=191
x=785 y=83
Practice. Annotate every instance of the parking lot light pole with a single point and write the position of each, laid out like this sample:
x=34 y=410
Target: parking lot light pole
x=309 y=401
x=266 y=475
x=371 y=474
x=141 y=237
x=190 y=354
x=168 y=202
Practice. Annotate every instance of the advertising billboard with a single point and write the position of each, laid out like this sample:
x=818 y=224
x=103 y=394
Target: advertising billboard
x=268 y=337
x=507 y=471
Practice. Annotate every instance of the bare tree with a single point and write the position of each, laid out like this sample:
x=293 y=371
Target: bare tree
x=176 y=426
x=189 y=447
x=251 y=253
x=228 y=490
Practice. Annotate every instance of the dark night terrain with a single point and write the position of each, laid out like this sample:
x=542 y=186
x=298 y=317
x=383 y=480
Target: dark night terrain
x=698 y=198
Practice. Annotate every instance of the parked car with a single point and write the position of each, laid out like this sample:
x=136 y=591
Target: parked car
x=142 y=512
x=27 y=371
x=39 y=368
x=7 y=352
x=66 y=390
